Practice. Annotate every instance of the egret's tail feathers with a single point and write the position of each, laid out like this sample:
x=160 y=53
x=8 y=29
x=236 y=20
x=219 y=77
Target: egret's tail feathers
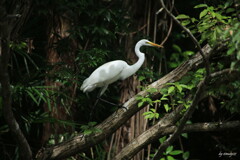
x=84 y=85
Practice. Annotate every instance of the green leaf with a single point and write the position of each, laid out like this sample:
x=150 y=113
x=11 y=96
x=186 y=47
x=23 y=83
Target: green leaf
x=203 y=13
x=164 y=98
x=91 y=124
x=163 y=90
x=87 y=132
x=185 y=22
x=170 y=158
x=176 y=152
x=171 y=89
x=185 y=155
x=146 y=113
x=188 y=53
x=230 y=10
x=230 y=51
x=182 y=16
x=193 y=20
x=152 y=90
x=161 y=140
x=167 y=108
x=156 y=115
x=201 y=5
x=140 y=104
x=140 y=78
x=32 y=96
x=177 y=48
x=179 y=87
x=185 y=135
x=169 y=149
x=153 y=110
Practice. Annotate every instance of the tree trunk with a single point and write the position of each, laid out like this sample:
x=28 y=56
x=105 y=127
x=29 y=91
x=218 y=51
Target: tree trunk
x=58 y=31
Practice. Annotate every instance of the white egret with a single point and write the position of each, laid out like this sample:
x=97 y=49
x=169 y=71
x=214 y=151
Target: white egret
x=115 y=70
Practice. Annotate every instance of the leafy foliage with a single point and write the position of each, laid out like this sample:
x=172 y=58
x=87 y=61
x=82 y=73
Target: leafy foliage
x=178 y=56
x=90 y=129
x=171 y=153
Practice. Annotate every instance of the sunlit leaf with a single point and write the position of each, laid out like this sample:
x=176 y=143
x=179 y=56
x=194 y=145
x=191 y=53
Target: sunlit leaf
x=182 y=16
x=200 y=6
x=170 y=158
x=203 y=13
x=176 y=152
x=185 y=155
x=169 y=149
x=171 y=89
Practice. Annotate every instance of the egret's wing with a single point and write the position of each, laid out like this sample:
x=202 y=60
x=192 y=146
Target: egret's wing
x=108 y=72
x=104 y=75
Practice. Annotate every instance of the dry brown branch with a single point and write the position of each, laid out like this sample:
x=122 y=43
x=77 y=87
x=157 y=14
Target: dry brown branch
x=112 y=123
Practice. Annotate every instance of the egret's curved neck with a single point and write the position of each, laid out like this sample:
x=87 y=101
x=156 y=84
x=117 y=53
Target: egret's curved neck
x=130 y=70
x=141 y=56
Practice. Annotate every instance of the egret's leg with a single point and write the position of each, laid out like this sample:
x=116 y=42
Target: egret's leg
x=107 y=101
x=96 y=102
x=92 y=109
x=114 y=104
x=104 y=88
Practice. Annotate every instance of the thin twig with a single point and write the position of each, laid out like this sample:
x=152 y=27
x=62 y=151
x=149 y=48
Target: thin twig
x=191 y=36
x=168 y=34
x=132 y=33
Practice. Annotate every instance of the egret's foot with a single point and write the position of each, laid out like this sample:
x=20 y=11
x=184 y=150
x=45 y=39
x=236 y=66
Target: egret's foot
x=107 y=101
x=121 y=106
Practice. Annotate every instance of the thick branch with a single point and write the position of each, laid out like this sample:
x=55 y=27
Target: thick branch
x=196 y=127
x=149 y=136
x=112 y=123
x=208 y=127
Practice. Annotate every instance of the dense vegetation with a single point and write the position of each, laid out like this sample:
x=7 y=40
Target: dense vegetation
x=49 y=47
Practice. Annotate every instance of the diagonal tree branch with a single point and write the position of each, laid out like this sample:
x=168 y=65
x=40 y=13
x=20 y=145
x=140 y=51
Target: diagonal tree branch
x=156 y=131
x=166 y=130
x=112 y=123
x=149 y=135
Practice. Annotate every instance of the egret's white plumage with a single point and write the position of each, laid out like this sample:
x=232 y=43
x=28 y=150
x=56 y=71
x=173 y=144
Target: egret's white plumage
x=115 y=70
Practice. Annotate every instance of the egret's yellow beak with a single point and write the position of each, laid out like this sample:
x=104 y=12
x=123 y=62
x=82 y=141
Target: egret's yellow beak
x=154 y=44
